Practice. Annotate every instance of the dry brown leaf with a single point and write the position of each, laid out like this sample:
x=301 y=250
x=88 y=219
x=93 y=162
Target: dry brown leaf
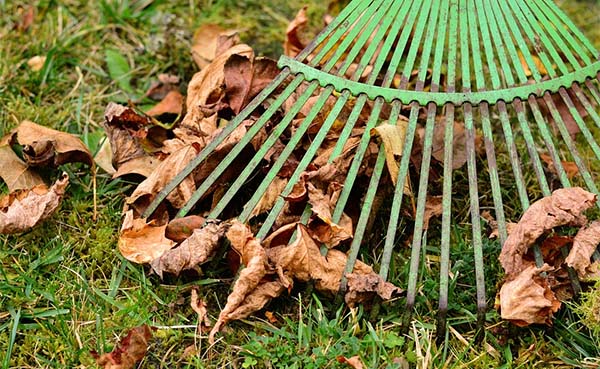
x=44 y=147
x=254 y=258
x=127 y=131
x=353 y=362
x=196 y=250
x=564 y=207
x=392 y=136
x=171 y=104
x=205 y=44
x=363 y=287
x=128 y=352
x=433 y=208
x=206 y=92
x=527 y=299
x=245 y=78
x=570 y=167
x=15 y=172
x=179 y=229
x=293 y=41
x=26 y=18
x=493 y=224
x=585 y=243
x=163 y=174
x=199 y=306
x=142 y=242
x=459 y=143
x=36 y=63
x=166 y=83
x=564 y=111
x=104 y=156
x=22 y=209
x=268 y=199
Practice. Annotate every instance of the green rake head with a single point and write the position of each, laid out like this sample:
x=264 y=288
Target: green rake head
x=481 y=62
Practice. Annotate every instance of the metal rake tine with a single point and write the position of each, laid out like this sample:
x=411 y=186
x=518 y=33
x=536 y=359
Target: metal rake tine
x=218 y=140
x=254 y=129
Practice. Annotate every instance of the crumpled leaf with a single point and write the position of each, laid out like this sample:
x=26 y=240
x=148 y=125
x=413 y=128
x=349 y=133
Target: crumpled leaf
x=363 y=287
x=254 y=258
x=127 y=131
x=199 y=306
x=459 y=143
x=564 y=206
x=128 y=352
x=195 y=250
x=433 y=208
x=585 y=243
x=171 y=104
x=15 y=172
x=163 y=174
x=570 y=167
x=103 y=157
x=527 y=298
x=353 y=362
x=493 y=224
x=22 y=209
x=293 y=41
x=142 y=242
x=206 y=92
x=268 y=199
x=44 y=147
x=166 y=83
x=245 y=78
x=207 y=40
x=392 y=136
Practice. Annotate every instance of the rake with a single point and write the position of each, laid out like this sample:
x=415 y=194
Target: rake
x=482 y=62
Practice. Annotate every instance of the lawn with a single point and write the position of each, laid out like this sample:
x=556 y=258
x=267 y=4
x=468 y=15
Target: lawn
x=65 y=290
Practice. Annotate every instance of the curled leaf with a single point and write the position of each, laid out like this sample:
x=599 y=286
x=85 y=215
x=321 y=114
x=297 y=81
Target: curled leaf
x=585 y=243
x=129 y=351
x=363 y=287
x=15 y=172
x=142 y=242
x=255 y=260
x=564 y=206
x=527 y=299
x=22 y=209
x=195 y=250
x=293 y=41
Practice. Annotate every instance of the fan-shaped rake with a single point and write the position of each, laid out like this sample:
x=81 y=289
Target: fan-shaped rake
x=479 y=61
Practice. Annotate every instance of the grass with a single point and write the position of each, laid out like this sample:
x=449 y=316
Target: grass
x=65 y=289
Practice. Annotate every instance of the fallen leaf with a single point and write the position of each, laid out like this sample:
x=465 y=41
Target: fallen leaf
x=22 y=209
x=271 y=195
x=585 y=243
x=27 y=16
x=171 y=104
x=570 y=167
x=36 y=63
x=163 y=174
x=196 y=250
x=293 y=41
x=199 y=306
x=179 y=229
x=206 y=92
x=433 y=208
x=564 y=206
x=128 y=352
x=43 y=146
x=363 y=287
x=392 y=136
x=493 y=224
x=142 y=242
x=255 y=260
x=15 y=172
x=104 y=157
x=527 y=298
x=166 y=83
x=245 y=78
x=353 y=362
x=459 y=143
x=537 y=63
x=206 y=43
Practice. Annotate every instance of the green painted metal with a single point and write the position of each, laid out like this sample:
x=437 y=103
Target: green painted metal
x=423 y=98
x=499 y=67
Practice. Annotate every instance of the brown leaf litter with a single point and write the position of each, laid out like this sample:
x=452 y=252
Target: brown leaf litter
x=128 y=352
x=531 y=294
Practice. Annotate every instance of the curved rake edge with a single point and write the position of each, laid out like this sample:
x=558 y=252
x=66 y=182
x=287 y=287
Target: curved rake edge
x=498 y=54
